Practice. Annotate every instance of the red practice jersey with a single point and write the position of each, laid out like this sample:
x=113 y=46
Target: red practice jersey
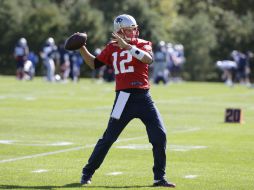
x=129 y=71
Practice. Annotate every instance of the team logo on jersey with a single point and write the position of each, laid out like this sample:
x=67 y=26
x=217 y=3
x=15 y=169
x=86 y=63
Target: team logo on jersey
x=136 y=83
x=119 y=19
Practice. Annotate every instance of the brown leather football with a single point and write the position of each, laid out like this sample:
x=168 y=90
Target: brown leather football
x=75 y=41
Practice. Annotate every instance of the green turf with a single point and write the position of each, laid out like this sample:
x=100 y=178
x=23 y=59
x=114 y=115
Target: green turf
x=35 y=114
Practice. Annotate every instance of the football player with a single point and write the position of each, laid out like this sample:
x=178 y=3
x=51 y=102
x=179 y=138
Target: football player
x=21 y=52
x=130 y=58
x=48 y=55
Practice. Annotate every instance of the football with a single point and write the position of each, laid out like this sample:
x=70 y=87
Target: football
x=75 y=41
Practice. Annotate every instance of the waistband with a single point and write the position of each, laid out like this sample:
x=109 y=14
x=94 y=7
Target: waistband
x=135 y=90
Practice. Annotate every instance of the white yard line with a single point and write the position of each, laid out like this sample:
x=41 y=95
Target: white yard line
x=115 y=173
x=181 y=148
x=40 y=171
x=61 y=151
x=41 y=154
x=190 y=176
x=79 y=148
x=34 y=143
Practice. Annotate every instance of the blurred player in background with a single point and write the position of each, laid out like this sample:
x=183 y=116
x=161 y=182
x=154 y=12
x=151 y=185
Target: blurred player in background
x=160 y=70
x=130 y=58
x=177 y=59
x=75 y=62
x=30 y=66
x=228 y=67
x=64 y=59
x=21 y=52
x=243 y=67
x=49 y=54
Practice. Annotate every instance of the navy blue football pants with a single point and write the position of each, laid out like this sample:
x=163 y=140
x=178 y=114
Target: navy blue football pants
x=139 y=105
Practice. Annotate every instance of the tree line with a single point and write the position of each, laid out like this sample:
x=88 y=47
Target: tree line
x=208 y=29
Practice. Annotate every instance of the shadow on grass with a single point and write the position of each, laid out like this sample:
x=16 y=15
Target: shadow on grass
x=71 y=185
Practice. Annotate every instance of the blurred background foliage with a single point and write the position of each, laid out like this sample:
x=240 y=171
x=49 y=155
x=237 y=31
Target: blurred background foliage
x=208 y=29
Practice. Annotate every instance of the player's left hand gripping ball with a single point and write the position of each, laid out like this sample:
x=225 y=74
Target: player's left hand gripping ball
x=75 y=41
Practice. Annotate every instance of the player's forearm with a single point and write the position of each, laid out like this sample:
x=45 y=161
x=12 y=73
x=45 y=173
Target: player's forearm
x=87 y=56
x=141 y=55
x=147 y=59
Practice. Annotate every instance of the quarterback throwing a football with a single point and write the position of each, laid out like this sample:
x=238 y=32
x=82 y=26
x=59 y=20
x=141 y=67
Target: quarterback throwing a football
x=130 y=58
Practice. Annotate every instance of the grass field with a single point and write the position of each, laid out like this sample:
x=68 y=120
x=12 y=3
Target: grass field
x=47 y=133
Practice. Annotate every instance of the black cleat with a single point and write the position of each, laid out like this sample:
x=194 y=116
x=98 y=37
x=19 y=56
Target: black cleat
x=85 y=180
x=164 y=183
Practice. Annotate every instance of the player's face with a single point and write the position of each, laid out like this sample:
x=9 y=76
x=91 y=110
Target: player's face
x=130 y=33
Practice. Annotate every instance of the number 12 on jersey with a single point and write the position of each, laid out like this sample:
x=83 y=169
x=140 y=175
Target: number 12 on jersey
x=122 y=67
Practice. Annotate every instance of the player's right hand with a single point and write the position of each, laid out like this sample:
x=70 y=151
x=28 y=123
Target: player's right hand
x=121 y=42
